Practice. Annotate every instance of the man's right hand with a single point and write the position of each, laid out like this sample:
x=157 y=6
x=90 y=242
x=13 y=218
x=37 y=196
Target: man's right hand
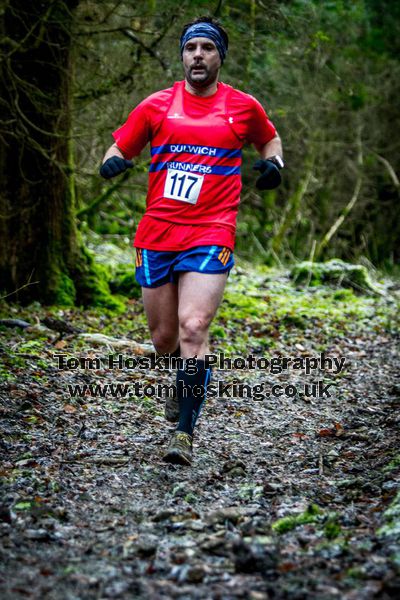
x=270 y=176
x=114 y=166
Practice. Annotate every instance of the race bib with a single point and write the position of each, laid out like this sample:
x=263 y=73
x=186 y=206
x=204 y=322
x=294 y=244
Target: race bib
x=183 y=186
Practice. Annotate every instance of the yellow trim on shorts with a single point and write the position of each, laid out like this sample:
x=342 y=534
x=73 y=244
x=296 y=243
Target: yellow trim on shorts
x=224 y=255
x=139 y=258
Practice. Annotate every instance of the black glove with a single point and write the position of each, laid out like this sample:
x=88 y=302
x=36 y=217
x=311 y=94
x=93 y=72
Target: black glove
x=270 y=177
x=114 y=166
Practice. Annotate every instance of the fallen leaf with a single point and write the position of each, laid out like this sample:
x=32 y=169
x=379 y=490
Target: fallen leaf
x=287 y=566
x=60 y=344
x=339 y=429
x=327 y=432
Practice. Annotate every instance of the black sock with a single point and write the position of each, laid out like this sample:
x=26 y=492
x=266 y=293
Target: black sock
x=191 y=388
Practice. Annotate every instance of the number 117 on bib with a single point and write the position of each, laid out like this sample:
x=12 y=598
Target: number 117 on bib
x=183 y=186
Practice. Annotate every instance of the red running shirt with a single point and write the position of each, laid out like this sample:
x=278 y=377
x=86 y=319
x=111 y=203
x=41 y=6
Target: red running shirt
x=194 y=175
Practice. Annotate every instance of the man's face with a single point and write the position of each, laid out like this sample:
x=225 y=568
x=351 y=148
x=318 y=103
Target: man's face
x=201 y=62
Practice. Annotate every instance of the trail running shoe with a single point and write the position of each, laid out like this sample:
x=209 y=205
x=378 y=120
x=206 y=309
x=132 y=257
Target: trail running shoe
x=171 y=411
x=179 y=450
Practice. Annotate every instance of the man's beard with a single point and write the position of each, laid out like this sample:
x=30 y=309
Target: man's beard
x=202 y=78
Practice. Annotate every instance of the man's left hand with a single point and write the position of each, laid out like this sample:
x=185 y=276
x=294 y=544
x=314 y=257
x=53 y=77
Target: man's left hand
x=114 y=166
x=270 y=176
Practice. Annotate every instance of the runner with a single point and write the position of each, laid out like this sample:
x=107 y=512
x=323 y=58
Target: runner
x=185 y=241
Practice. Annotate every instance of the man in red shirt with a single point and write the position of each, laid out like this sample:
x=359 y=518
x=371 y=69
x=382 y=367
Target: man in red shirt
x=185 y=240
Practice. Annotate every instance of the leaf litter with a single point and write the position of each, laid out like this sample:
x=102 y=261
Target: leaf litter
x=288 y=497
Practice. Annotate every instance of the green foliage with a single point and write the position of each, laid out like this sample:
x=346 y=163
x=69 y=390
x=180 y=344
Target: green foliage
x=124 y=282
x=331 y=88
x=311 y=515
x=394 y=464
x=61 y=284
x=391 y=517
x=23 y=506
x=92 y=283
x=332 y=528
x=66 y=292
x=96 y=286
x=336 y=272
x=269 y=309
x=317 y=96
x=218 y=331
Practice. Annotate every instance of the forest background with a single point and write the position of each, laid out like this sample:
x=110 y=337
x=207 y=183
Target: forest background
x=326 y=72
x=289 y=497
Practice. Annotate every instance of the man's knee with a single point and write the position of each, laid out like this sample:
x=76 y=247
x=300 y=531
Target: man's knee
x=194 y=325
x=163 y=341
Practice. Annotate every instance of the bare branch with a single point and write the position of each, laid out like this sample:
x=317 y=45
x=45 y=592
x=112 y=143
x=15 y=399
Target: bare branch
x=28 y=283
x=390 y=170
x=153 y=53
x=346 y=210
x=103 y=196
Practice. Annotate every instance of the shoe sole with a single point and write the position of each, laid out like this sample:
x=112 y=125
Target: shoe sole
x=177 y=459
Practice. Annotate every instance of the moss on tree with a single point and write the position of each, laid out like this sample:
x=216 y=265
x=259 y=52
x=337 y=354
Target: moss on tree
x=91 y=280
x=124 y=282
x=335 y=272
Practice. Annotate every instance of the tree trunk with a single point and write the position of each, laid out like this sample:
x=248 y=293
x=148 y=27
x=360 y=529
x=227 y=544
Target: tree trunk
x=40 y=255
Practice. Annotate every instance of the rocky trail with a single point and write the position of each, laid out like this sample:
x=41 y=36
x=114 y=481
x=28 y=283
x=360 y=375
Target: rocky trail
x=289 y=496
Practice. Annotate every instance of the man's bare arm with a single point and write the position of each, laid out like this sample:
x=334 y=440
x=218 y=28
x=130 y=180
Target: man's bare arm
x=112 y=151
x=114 y=163
x=272 y=148
x=270 y=164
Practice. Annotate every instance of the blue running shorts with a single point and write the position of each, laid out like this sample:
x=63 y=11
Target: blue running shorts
x=155 y=268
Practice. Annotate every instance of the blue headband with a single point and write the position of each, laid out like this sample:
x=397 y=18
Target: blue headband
x=207 y=30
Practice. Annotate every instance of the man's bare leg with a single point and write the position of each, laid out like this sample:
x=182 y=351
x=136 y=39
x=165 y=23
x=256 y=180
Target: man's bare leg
x=184 y=312
x=200 y=295
x=161 y=308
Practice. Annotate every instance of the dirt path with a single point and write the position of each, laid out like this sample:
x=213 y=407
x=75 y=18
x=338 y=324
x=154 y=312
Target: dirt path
x=91 y=511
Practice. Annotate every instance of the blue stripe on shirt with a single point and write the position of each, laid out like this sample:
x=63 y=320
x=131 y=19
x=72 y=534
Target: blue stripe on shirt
x=195 y=168
x=195 y=149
